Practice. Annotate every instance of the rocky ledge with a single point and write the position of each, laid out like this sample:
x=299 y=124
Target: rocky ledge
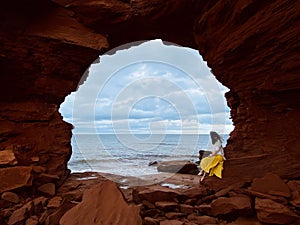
x=178 y=199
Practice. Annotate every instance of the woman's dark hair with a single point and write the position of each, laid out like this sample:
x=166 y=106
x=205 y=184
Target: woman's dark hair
x=215 y=136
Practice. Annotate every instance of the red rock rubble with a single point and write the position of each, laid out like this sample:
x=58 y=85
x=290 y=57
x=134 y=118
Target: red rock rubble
x=251 y=46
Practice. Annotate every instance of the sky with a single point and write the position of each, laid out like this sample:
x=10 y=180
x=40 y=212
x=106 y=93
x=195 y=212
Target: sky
x=148 y=88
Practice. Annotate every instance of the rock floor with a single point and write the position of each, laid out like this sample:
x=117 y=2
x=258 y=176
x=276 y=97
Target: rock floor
x=166 y=199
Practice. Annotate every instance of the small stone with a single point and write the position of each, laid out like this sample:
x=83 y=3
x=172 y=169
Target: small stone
x=38 y=169
x=296 y=202
x=245 y=221
x=6 y=213
x=40 y=201
x=10 y=197
x=35 y=159
x=20 y=214
x=204 y=208
x=43 y=217
x=295 y=188
x=17 y=216
x=149 y=205
x=48 y=178
x=150 y=213
x=54 y=202
x=32 y=221
x=48 y=189
x=202 y=219
x=150 y=221
x=175 y=215
x=54 y=217
x=7 y=157
x=171 y=222
x=167 y=206
x=186 y=208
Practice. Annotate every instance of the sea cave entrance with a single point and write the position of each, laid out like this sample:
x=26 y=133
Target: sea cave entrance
x=144 y=102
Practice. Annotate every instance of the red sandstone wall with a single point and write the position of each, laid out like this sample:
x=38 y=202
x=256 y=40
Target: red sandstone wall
x=251 y=46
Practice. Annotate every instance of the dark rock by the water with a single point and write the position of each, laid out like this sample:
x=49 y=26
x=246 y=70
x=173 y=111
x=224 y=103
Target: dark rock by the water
x=178 y=166
x=152 y=163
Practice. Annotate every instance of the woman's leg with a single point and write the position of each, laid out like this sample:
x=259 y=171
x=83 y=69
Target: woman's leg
x=202 y=178
x=200 y=173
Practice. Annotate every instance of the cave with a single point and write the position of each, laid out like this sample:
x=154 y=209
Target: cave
x=149 y=102
x=252 y=47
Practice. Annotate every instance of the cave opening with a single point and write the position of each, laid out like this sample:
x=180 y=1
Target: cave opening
x=141 y=103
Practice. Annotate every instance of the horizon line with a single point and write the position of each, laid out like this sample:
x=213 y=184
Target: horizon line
x=152 y=133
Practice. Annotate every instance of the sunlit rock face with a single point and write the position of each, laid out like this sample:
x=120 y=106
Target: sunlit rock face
x=251 y=46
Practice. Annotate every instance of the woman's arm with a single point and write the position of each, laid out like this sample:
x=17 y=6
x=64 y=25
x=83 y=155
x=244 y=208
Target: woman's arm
x=216 y=148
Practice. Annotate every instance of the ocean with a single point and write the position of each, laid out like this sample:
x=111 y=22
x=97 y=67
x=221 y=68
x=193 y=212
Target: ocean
x=129 y=155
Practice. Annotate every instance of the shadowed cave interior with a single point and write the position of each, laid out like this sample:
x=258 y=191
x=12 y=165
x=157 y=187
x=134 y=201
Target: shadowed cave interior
x=46 y=46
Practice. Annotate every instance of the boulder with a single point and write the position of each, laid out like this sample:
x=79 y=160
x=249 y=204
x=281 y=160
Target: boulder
x=7 y=157
x=178 y=166
x=102 y=204
x=222 y=205
x=194 y=192
x=48 y=189
x=271 y=184
x=269 y=211
x=275 y=198
x=10 y=197
x=155 y=193
x=15 y=177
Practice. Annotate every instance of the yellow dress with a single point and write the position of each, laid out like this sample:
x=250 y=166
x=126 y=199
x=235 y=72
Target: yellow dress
x=213 y=165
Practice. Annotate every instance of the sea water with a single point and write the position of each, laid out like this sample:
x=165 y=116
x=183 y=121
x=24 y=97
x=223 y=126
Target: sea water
x=129 y=154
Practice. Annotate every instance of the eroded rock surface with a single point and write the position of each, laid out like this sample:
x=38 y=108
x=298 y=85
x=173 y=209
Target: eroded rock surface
x=102 y=204
x=88 y=198
x=251 y=46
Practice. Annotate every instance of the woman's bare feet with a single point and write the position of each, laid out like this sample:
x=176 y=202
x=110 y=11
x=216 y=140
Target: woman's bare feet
x=202 y=178
x=200 y=173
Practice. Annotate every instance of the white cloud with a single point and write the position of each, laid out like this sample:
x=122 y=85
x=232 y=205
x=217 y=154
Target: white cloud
x=149 y=88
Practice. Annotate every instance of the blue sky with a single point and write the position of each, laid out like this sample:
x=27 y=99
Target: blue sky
x=148 y=88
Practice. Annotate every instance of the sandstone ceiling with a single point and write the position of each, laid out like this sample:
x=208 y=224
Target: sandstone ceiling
x=251 y=45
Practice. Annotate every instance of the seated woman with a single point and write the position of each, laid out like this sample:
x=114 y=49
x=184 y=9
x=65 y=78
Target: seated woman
x=213 y=164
